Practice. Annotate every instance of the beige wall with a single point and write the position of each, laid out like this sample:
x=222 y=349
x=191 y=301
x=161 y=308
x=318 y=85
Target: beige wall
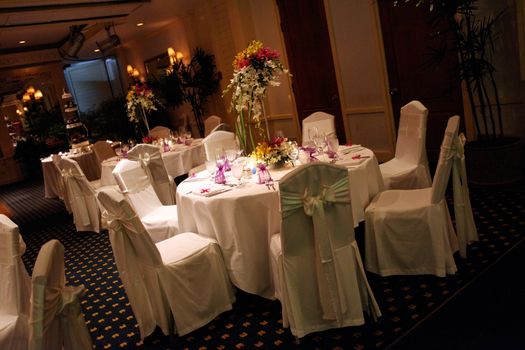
x=360 y=64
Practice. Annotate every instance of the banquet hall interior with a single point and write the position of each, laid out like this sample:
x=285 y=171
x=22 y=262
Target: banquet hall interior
x=154 y=179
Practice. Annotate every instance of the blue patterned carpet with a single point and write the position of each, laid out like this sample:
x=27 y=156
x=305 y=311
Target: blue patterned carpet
x=255 y=322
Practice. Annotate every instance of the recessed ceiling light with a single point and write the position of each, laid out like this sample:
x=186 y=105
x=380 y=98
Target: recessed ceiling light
x=22 y=42
x=96 y=50
x=140 y=24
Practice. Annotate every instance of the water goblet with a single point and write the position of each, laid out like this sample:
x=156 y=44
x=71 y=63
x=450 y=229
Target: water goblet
x=313 y=134
x=231 y=155
x=238 y=169
x=211 y=166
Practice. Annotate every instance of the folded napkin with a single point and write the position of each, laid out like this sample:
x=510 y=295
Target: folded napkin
x=209 y=191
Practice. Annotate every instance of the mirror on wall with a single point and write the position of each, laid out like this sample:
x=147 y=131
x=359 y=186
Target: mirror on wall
x=156 y=66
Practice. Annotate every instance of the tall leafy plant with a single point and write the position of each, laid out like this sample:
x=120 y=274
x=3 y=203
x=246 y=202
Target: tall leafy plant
x=194 y=83
x=473 y=37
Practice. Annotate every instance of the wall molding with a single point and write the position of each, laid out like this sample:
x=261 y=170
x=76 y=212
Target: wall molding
x=365 y=110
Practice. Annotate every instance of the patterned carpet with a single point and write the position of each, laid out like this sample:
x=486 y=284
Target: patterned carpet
x=255 y=322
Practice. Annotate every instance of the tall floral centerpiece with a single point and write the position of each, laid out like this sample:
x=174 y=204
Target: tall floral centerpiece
x=254 y=69
x=140 y=101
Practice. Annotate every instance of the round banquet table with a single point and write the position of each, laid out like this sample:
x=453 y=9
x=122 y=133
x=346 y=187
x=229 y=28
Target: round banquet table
x=179 y=161
x=242 y=219
x=87 y=162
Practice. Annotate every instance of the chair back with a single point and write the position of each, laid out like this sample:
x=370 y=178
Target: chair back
x=446 y=155
x=411 y=135
x=56 y=318
x=223 y=127
x=137 y=258
x=211 y=123
x=160 y=132
x=81 y=196
x=218 y=141
x=136 y=185
x=316 y=227
x=150 y=159
x=324 y=123
x=103 y=151
x=55 y=158
x=15 y=289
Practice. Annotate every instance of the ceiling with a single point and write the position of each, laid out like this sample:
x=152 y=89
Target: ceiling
x=48 y=24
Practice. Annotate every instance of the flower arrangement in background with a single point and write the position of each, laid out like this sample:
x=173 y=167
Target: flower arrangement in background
x=140 y=100
x=277 y=152
x=254 y=69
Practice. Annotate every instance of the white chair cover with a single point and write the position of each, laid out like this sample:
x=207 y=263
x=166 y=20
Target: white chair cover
x=161 y=221
x=409 y=232
x=324 y=123
x=184 y=275
x=56 y=318
x=150 y=159
x=160 y=132
x=223 y=127
x=55 y=158
x=409 y=168
x=464 y=218
x=103 y=151
x=317 y=268
x=211 y=123
x=15 y=288
x=218 y=140
x=81 y=197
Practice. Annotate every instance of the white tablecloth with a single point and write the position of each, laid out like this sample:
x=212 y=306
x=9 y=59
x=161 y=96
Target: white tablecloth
x=87 y=162
x=243 y=219
x=178 y=161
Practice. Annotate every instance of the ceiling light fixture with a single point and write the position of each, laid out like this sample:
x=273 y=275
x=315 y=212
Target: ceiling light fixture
x=96 y=50
x=22 y=42
x=140 y=24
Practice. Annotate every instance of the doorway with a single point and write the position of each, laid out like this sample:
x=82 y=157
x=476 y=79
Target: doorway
x=314 y=83
x=411 y=37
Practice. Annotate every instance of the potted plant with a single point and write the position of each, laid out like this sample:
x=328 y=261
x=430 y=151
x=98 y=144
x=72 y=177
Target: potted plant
x=493 y=158
x=194 y=82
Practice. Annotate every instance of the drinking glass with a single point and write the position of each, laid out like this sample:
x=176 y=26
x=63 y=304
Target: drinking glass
x=231 y=155
x=313 y=133
x=211 y=165
x=294 y=153
x=333 y=143
x=220 y=156
x=237 y=169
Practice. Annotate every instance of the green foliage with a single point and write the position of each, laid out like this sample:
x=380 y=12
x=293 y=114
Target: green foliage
x=109 y=121
x=473 y=38
x=193 y=83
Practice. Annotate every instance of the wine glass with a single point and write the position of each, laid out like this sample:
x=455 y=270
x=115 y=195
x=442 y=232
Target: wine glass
x=231 y=155
x=220 y=157
x=294 y=152
x=238 y=169
x=211 y=165
x=313 y=134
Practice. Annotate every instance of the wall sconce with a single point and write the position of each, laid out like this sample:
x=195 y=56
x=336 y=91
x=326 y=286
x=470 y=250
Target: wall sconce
x=175 y=57
x=31 y=93
x=129 y=69
x=135 y=73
